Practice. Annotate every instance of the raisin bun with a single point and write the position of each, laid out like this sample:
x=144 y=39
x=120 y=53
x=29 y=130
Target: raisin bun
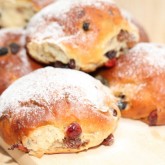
x=20 y=10
x=138 y=82
x=54 y=110
x=143 y=36
x=87 y=33
x=14 y=61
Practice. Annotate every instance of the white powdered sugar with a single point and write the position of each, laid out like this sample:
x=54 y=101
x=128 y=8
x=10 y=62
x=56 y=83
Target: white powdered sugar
x=150 y=54
x=6 y=32
x=49 y=85
x=145 y=60
x=18 y=36
x=57 y=10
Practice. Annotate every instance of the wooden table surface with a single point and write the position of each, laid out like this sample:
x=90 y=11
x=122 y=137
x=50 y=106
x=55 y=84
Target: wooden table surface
x=5 y=159
x=150 y=13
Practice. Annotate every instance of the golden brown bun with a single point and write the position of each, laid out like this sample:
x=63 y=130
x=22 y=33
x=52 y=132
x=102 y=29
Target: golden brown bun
x=143 y=36
x=55 y=110
x=138 y=81
x=88 y=32
x=14 y=62
x=16 y=13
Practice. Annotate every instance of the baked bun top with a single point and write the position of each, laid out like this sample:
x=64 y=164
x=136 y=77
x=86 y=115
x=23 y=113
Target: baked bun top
x=146 y=61
x=139 y=77
x=14 y=62
x=81 y=30
x=57 y=97
x=20 y=10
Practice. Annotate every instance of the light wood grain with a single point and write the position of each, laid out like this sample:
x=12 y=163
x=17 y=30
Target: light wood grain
x=5 y=159
x=150 y=13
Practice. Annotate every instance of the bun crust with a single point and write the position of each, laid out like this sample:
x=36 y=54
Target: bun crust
x=73 y=32
x=138 y=81
x=14 y=62
x=60 y=110
x=20 y=10
x=143 y=36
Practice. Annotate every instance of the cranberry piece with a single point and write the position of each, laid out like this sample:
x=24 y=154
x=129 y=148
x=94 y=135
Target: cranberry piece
x=73 y=131
x=110 y=63
x=109 y=140
x=152 y=118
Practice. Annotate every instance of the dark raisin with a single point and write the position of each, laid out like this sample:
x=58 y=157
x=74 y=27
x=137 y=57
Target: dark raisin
x=152 y=118
x=122 y=96
x=111 y=54
x=19 y=147
x=114 y=112
x=123 y=35
x=72 y=64
x=72 y=143
x=109 y=140
x=14 y=48
x=73 y=131
x=59 y=64
x=122 y=105
x=3 y=51
x=86 y=26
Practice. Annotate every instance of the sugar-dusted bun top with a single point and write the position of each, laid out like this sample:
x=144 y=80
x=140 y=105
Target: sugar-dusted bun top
x=75 y=28
x=144 y=61
x=14 y=62
x=52 y=84
x=58 y=97
x=138 y=80
x=9 y=35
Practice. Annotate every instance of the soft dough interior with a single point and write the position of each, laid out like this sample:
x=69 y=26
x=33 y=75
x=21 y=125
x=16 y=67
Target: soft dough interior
x=135 y=143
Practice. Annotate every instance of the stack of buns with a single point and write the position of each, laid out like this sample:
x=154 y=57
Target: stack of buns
x=60 y=107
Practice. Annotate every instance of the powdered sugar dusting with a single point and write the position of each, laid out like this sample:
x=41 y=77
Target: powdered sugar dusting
x=145 y=60
x=16 y=35
x=48 y=85
x=153 y=54
x=57 y=10
x=7 y=33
